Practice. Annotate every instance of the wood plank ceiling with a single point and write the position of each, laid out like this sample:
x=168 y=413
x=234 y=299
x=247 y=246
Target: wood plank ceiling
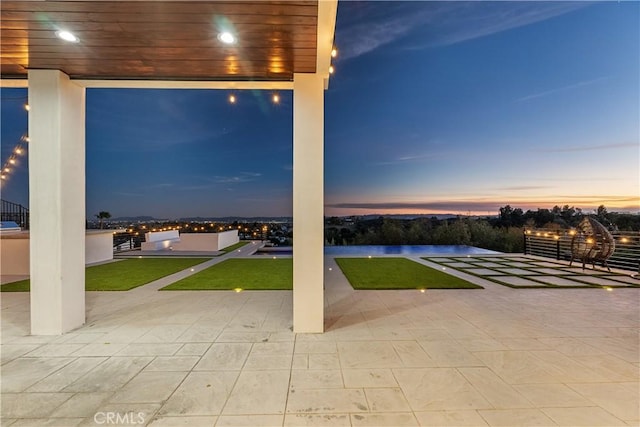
x=165 y=40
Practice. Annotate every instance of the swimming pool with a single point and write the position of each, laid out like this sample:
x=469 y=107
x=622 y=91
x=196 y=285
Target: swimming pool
x=406 y=250
x=391 y=250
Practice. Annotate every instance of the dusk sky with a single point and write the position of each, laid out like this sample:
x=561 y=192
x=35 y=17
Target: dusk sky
x=435 y=107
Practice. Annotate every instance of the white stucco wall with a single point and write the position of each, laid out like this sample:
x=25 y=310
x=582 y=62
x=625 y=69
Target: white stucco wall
x=197 y=242
x=14 y=256
x=206 y=241
x=227 y=238
x=159 y=240
x=98 y=247
x=14 y=251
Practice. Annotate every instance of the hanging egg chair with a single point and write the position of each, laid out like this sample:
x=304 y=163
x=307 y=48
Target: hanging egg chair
x=592 y=243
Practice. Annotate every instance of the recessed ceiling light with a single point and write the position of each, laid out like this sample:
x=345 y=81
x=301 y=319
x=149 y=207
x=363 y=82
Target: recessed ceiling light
x=226 y=37
x=67 y=36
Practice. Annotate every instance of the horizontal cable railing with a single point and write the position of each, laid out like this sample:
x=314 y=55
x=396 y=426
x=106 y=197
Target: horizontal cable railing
x=557 y=244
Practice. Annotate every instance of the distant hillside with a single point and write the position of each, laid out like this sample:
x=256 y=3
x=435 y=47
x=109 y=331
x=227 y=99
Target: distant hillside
x=201 y=219
x=134 y=219
x=406 y=216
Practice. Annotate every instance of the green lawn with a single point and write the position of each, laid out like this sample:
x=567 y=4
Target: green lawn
x=245 y=274
x=122 y=275
x=234 y=247
x=397 y=273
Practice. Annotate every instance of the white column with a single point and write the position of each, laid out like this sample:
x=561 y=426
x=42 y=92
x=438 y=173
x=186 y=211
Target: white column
x=56 y=202
x=308 y=203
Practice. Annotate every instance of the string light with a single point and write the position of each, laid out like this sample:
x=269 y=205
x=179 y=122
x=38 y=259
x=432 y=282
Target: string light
x=232 y=99
x=26 y=107
x=334 y=52
x=331 y=69
x=276 y=98
x=18 y=150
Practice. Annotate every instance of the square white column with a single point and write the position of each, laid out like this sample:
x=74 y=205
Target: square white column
x=308 y=203
x=56 y=202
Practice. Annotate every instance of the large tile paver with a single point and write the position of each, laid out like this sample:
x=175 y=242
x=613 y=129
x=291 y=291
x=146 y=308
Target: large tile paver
x=149 y=387
x=67 y=375
x=110 y=375
x=438 y=388
x=374 y=354
x=583 y=416
x=516 y=417
x=31 y=405
x=259 y=392
x=201 y=393
x=327 y=401
x=19 y=374
x=453 y=418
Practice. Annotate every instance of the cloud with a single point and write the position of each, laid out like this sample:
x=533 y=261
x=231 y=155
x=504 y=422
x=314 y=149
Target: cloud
x=374 y=26
x=562 y=89
x=366 y=26
x=524 y=188
x=160 y=185
x=492 y=205
x=418 y=206
x=592 y=147
x=121 y=193
x=404 y=159
x=236 y=179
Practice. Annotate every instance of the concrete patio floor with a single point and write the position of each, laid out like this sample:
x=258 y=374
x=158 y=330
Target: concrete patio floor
x=498 y=356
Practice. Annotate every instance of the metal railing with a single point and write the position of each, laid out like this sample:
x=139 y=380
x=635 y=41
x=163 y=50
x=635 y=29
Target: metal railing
x=14 y=212
x=556 y=244
x=123 y=242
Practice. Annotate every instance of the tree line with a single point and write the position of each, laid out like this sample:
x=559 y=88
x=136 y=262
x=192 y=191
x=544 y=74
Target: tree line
x=503 y=232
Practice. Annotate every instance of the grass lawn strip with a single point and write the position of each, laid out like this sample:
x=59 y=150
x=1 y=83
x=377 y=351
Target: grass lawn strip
x=122 y=275
x=397 y=273
x=240 y=274
x=234 y=247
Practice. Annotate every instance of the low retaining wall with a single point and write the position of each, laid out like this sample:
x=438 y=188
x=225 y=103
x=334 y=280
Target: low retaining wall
x=14 y=250
x=197 y=242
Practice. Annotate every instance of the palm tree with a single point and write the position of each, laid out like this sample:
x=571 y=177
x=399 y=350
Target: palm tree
x=102 y=216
